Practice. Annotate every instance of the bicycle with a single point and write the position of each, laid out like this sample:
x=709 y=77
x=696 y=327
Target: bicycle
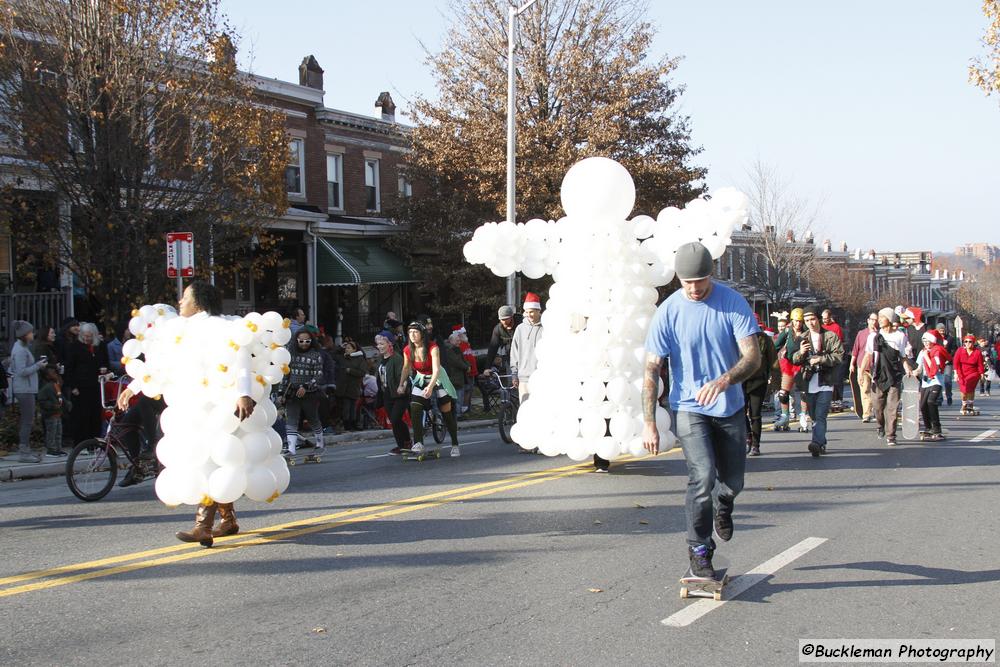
x=507 y=407
x=434 y=421
x=93 y=478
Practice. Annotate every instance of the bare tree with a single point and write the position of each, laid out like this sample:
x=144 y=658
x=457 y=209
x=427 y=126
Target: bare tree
x=838 y=286
x=981 y=297
x=781 y=249
x=130 y=118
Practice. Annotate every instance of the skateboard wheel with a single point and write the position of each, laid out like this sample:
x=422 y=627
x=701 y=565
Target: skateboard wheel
x=684 y=593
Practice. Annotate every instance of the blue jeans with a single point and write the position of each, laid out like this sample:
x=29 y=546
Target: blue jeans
x=819 y=408
x=716 y=455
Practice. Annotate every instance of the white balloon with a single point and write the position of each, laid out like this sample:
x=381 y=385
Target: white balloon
x=257 y=447
x=261 y=483
x=227 y=450
x=279 y=467
x=227 y=484
x=597 y=188
x=592 y=426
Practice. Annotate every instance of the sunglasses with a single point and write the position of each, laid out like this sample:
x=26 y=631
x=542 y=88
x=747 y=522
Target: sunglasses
x=305 y=341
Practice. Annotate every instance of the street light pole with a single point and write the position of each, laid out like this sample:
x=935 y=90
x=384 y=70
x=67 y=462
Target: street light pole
x=512 y=135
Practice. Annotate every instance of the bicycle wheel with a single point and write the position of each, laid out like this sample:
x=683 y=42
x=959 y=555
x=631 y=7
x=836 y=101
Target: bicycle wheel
x=437 y=426
x=91 y=478
x=505 y=419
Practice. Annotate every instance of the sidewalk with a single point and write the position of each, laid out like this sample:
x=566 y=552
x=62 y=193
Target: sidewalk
x=11 y=470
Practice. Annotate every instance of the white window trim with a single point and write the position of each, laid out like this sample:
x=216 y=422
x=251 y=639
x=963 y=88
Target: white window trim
x=406 y=189
x=338 y=178
x=378 y=188
x=301 y=193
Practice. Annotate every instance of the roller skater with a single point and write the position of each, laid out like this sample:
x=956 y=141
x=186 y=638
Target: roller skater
x=787 y=343
x=931 y=363
x=969 y=367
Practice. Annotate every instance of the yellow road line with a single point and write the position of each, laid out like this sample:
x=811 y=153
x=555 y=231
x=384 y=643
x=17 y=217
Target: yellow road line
x=290 y=530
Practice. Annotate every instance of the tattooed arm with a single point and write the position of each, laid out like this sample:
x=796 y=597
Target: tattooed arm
x=650 y=383
x=748 y=364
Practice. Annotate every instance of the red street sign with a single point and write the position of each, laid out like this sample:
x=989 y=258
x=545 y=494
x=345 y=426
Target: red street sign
x=180 y=254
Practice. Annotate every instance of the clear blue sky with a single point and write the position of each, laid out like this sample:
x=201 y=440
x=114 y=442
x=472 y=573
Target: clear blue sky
x=863 y=106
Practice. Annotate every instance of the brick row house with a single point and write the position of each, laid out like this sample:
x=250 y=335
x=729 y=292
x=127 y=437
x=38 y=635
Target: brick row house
x=346 y=171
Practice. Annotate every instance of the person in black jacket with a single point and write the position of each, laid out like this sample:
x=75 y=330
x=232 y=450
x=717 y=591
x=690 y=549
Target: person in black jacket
x=755 y=389
x=86 y=360
x=389 y=374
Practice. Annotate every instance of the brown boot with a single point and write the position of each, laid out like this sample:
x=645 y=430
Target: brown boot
x=202 y=531
x=227 y=525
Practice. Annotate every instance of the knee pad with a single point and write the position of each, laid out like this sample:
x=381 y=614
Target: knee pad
x=783 y=396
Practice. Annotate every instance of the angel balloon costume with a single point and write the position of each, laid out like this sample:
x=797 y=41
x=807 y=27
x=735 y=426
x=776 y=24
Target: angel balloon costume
x=586 y=390
x=202 y=366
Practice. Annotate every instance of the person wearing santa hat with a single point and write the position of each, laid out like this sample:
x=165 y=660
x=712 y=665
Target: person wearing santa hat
x=969 y=367
x=913 y=318
x=931 y=362
x=523 y=357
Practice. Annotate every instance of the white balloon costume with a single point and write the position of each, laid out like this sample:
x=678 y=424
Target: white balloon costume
x=201 y=365
x=591 y=361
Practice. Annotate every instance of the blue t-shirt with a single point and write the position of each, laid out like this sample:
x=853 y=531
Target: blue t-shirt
x=700 y=340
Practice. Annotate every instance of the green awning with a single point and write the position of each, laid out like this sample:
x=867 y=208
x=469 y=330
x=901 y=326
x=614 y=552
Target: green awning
x=358 y=262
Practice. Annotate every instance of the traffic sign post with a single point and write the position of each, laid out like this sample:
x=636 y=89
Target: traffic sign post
x=180 y=258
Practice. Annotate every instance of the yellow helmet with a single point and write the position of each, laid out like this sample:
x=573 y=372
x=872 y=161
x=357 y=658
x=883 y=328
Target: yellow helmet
x=796 y=314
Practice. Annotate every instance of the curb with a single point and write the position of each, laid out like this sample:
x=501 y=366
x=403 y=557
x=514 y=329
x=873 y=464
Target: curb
x=10 y=471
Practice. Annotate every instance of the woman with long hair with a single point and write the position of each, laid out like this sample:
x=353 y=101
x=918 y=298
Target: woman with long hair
x=422 y=359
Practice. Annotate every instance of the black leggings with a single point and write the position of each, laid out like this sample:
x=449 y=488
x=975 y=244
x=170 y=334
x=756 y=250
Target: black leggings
x=929 y=408
x=755 y=399
x=396 y=408
x=419 y=404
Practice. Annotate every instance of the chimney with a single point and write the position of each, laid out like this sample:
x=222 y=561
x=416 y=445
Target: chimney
x=843 y=247
x=387 y=106
x=827 y=246
x=945 y=274
x=224 y=53
x=961 y=275
x=857 y=252
x=937 y=274
x=310 y=73
x=789 y=236
x=809 y=237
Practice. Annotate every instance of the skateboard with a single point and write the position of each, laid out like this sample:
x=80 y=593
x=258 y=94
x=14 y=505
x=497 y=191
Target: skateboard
x=429 y=452
x=859 y=409
x=910 y=400
x=295 y=459
x=704 y=587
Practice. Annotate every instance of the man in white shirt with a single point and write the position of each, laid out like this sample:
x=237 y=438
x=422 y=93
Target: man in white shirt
x=887 y=354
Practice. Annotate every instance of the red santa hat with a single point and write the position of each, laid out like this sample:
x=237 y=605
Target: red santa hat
x=532 y=302
x=458 y=329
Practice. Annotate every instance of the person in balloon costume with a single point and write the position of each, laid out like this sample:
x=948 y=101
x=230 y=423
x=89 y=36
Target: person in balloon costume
x=215 y=375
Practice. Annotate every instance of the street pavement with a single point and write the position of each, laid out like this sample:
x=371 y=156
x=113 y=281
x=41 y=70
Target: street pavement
x=506 y=558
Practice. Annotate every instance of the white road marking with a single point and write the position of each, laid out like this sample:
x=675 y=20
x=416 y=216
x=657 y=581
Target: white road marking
x=982 y=436
x=739 y=584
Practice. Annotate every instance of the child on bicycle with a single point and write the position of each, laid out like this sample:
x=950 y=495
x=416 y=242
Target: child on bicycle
x=53 y=405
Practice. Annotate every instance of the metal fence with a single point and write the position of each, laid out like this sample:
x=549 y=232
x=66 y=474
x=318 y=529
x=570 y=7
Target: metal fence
x=42 y=309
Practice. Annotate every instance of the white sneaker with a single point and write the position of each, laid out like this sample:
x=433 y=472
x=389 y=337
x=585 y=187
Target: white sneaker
x=455 y=453
x=418 y=448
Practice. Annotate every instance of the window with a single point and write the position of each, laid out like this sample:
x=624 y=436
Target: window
x=294 y=182
x=10 y=127
x=405 y=187
x=335 y=181
x=372 y=200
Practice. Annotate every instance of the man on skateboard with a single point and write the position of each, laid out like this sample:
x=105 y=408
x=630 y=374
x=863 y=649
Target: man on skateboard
x=707 y=330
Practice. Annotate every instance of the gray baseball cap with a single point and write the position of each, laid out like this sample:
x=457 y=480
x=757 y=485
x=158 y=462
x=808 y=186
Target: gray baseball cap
x=693 y=262
x=505 y=311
